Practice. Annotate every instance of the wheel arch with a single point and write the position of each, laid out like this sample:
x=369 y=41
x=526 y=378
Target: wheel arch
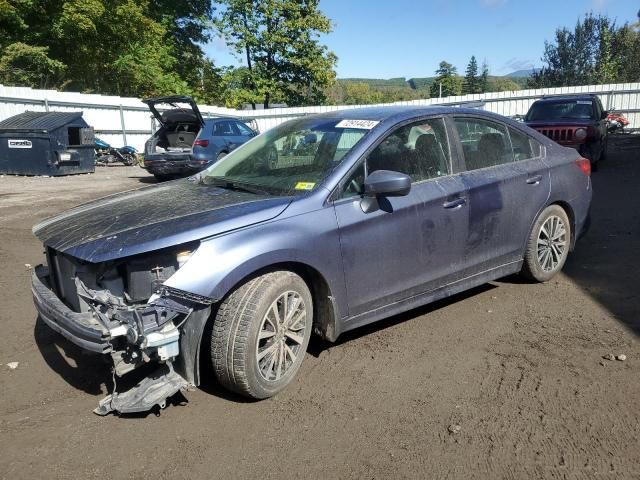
x=325 y=310
x=572 y=220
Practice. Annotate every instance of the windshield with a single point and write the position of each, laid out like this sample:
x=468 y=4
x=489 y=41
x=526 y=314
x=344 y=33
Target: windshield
x=289 y=159
x=573 y=109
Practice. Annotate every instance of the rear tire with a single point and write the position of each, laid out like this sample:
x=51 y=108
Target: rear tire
x=548 y=245
x=221 y=155
x=261 y=333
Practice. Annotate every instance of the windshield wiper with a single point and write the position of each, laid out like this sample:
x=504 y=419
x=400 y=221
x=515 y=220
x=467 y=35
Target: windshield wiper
x=231 y=185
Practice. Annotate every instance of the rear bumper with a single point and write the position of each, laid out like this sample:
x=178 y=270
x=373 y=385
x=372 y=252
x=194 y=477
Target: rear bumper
x=583 y=229
x=172 y=167
x=81 y=329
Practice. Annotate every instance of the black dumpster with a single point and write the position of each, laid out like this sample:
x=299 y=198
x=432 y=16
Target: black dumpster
x=46 y=143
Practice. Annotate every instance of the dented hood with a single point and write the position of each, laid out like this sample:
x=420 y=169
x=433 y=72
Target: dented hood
x=154 y=217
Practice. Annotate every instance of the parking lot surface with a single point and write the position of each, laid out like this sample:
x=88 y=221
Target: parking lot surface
x=505 y=381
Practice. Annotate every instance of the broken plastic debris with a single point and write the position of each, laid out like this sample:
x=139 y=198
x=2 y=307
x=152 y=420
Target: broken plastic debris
x=13 y=365
x=151 y=391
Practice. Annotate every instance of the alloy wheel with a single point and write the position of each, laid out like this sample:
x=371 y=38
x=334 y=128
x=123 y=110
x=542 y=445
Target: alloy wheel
x=552 y=243
x=281 y=335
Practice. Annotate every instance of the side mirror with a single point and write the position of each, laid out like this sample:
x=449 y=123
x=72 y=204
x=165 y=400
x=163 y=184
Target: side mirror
x=387 y=184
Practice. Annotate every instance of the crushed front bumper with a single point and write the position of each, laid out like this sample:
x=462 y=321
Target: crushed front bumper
x=81 y=329
x=89 y=333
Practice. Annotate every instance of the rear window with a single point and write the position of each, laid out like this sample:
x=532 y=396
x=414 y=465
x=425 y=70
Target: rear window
x=565 y=110
x=524 y=147
x=485 y=143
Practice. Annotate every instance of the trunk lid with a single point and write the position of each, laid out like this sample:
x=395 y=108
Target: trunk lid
x=188 y=112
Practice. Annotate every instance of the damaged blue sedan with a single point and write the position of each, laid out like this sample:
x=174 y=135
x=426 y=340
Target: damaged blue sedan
x=322 y=224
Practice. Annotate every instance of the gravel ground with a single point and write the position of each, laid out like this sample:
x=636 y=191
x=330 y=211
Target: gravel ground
x=505 y=381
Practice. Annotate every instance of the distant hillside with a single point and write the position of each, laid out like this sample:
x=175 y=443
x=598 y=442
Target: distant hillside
x=424 y=83
x=521 y=73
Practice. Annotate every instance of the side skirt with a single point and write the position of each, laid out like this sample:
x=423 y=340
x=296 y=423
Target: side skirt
x=431 y=296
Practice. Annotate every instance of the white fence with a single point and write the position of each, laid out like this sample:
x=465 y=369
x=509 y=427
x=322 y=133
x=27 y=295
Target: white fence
x=120 y=120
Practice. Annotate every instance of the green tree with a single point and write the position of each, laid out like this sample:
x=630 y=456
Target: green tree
x=471 y=81
x=279 y=40
x=359 y=93
x=501 y=84
x=447 y=79
x=23 y=64
x=590 y=53
x=626 y=50
x=122 y=47
x=483 y=83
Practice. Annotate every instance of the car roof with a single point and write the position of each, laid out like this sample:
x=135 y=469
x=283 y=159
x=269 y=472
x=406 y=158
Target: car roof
x=215 y=119
x=565 y=98
x=397 y=113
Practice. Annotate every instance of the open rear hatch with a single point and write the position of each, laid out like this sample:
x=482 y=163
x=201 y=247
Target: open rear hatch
x=180 y=121
x=176 y=108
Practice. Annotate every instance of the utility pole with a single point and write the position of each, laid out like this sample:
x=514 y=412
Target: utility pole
x=440 y=89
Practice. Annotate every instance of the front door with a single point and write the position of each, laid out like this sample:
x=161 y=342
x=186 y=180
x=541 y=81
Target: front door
x=411 y=244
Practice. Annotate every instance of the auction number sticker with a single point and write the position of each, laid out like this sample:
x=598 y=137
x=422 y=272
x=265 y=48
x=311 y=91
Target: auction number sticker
x=305 y=185
x=584 y=102
x=360 y=124
x=15 y=143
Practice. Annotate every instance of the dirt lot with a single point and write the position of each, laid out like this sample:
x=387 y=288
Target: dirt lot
x=517 y=366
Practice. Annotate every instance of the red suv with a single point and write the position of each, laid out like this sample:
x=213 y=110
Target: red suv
x=577 y=121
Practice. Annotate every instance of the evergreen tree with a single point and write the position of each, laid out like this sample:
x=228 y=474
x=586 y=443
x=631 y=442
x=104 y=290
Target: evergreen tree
x=484 y=78
x=471 y=81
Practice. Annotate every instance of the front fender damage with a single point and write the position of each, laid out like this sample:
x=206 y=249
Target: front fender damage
x=144 y=334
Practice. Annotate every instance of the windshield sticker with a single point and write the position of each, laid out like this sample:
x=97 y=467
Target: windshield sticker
x=584 y=102
x=305 y=185
x=361 y=124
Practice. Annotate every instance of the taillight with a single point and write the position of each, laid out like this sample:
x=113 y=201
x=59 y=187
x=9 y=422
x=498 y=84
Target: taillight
x=201 y=143
x=584 y=164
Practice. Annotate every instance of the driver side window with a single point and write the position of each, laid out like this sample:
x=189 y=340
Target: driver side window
x=419 y=149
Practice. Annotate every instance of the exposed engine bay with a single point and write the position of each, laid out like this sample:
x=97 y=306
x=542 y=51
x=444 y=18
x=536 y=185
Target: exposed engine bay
x=140 y=318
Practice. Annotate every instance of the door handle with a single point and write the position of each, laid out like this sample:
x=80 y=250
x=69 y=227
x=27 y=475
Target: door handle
x=458 y=202
x=535 y=180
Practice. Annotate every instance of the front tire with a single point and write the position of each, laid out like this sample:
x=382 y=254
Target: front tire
x=548 y=245
x=261 y=333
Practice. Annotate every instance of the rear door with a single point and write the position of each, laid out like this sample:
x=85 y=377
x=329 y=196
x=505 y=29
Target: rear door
x=507 y=184
x=245 y=133
x=411 y=244
x=226 y=135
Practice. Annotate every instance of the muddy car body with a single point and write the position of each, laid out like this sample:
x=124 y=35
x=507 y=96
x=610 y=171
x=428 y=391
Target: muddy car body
x=322 y=224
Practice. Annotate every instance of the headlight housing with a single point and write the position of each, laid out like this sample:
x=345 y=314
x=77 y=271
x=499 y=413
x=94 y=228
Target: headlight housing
x=581 y=133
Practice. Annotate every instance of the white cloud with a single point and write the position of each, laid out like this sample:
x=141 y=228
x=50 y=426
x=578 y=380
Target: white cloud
x=514 y=64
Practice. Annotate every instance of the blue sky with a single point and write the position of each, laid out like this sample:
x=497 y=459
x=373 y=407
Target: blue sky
x=408 y=38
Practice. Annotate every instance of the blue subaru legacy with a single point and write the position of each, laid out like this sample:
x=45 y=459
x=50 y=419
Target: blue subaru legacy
x=322 y=224
x=186 y=142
